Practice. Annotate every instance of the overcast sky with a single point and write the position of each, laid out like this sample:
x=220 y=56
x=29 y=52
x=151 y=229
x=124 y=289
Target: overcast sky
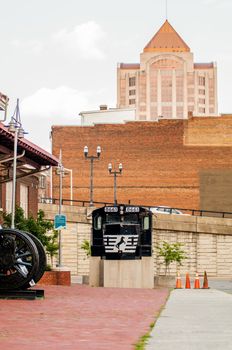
x=59 y=57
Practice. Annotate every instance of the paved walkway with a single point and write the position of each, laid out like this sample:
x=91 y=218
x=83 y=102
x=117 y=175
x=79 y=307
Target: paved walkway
x=194 y=319
x=79 y=318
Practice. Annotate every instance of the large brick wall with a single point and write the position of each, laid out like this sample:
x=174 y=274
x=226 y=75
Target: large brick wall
x=162 y=162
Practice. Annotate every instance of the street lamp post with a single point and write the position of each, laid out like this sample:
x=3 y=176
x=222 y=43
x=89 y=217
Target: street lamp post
x=60 y=172
x=15 y=127
x=115 y=173
x=91 y=158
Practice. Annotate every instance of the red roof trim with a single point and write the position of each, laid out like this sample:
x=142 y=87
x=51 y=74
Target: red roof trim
x=29 y=146
x=129 y=65
x=203 y=65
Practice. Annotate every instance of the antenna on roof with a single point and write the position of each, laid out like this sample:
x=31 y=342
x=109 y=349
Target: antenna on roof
x=166 y=12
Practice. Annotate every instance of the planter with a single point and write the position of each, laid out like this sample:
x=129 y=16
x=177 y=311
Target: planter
x=165 y=281
x=62 y=278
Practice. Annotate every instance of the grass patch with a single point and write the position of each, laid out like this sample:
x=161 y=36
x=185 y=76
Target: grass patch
x=144 y=339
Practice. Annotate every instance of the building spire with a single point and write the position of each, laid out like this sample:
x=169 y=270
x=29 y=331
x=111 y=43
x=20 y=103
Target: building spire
x=166 y=10
x=166 y=40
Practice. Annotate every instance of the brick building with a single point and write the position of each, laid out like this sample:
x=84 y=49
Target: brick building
x=31 y=161
x=167 y=82
x=181 y=163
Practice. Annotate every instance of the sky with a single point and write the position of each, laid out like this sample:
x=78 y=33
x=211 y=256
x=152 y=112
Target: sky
x=59 y=57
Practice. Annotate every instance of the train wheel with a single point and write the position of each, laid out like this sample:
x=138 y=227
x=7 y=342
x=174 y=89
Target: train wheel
x=19 y=259
x=42 y=260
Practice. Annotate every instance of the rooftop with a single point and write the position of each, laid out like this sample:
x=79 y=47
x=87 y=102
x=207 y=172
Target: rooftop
x=166 y=40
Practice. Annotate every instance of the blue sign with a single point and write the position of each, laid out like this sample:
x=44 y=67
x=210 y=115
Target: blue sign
x=59 y=221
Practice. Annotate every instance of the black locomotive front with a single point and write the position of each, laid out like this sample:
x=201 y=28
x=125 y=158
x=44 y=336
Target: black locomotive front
x=121 y=232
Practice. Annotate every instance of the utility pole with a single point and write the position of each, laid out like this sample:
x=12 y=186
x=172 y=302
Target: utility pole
x=115 y=173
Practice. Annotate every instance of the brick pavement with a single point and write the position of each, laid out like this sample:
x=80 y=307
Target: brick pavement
x=79 y=317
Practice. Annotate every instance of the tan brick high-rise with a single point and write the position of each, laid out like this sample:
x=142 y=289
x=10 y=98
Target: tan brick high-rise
x=167 y=82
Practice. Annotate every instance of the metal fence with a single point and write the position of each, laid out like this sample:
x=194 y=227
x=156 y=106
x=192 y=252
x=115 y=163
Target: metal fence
x=193 y=212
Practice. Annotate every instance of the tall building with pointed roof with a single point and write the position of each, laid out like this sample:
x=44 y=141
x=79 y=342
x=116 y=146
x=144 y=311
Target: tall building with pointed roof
x=167 y=83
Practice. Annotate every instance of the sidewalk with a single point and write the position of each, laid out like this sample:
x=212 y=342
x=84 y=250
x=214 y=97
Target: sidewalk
x=194 y=319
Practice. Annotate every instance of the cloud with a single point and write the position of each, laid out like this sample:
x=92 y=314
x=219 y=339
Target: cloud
x=52 y=103
x=218 y=4
x=33 y=46
x=84 y=39
x=47 y=107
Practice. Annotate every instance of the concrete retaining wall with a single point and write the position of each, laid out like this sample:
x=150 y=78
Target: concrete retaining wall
x=207 y=241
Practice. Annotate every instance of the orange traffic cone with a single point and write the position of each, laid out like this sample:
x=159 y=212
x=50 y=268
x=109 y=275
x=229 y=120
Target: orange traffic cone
x=187 y=283
x=197 y=282
x=205 y=282
x=178 y=281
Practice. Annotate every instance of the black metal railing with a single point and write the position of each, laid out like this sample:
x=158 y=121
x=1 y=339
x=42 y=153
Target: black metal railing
x=193 y=212
x=74 y=202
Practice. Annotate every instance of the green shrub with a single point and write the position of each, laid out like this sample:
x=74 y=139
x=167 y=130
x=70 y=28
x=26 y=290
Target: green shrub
x=171 y=253
x=86 y=247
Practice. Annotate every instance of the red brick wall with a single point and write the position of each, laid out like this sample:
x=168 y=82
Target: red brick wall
x=161 y=161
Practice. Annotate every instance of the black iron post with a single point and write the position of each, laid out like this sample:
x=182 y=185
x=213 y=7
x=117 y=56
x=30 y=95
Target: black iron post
x=91 y=158
x=115 y=173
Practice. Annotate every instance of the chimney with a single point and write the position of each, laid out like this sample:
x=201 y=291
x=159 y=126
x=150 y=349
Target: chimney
x=190 y=114
x=103 y=107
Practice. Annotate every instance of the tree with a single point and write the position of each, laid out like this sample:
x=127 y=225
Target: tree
x=52 y=245
x=39 y=227
x=171 y=253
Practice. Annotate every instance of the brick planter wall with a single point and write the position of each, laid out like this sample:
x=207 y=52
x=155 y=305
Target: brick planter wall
x=56 y=278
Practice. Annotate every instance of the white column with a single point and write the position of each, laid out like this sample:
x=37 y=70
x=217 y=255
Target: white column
x=159 y=94
x=174 y=94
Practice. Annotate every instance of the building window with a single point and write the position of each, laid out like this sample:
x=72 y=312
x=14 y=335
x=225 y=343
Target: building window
x=132 y=81
x=190 y=79
x=166 y=86
x=180 y=112
x=201 y=92
x=9 y=196
x=24 y=199
x=179 y=88
x=42 y=181
x=132 y=92
x=201 y=101
x=191 y=99
x=201 y=110
x=132 y=101
x=201 y=81
x=167 y=111
x=190 y=91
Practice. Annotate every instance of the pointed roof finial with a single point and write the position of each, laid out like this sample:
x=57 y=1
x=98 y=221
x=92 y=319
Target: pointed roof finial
x=166 y=10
